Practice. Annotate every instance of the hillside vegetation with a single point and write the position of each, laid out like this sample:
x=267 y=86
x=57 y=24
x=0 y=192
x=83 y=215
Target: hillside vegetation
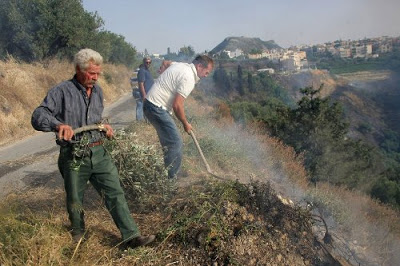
x=347 y=131
x=260 y=211
x=39 y=30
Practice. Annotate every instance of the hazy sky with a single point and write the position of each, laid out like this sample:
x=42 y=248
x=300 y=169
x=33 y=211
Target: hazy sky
x=156 y=25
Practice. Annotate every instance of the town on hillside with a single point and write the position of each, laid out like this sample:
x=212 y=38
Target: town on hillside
x=295 y=58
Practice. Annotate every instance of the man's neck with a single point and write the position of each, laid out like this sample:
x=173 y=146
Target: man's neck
x=88 y=91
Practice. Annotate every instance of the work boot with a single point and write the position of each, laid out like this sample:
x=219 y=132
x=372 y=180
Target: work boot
x=140 y=241
x=77 y=236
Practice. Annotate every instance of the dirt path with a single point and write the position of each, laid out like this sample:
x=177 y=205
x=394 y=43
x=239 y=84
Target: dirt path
x=33 y=161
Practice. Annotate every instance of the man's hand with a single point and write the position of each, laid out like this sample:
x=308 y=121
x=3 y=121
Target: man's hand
x=187 y=127
x=65 y=132
x=110 y=131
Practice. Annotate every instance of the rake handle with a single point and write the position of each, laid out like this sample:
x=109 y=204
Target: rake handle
x=200 y=151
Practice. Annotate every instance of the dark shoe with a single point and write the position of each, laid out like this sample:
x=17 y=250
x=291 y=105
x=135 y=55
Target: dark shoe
x=76 y=237
x=140 y=241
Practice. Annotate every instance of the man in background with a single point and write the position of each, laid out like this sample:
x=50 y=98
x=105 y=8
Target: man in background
x=145 y=81
x=73 y=104
x=167 y=95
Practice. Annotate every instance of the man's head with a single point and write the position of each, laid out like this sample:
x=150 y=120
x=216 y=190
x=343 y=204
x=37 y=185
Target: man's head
x=147 y=62
x=204 y=65
x=87 y=67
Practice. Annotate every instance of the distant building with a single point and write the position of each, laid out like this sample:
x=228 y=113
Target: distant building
x=254 y=56
x=344 y=52
x=236 y=53
x=269 y=70
x=385 y=48
x=233 y=54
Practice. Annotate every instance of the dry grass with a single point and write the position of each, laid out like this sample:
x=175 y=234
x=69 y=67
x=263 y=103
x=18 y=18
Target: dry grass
x=39 y=231
x=23 y=87
x=359 y=224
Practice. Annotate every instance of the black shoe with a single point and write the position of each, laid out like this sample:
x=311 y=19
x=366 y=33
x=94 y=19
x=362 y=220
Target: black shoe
x=140 y=241
x=76 y=237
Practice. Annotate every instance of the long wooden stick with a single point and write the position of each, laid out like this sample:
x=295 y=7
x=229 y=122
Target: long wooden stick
x=90 y=127
x=200 y=151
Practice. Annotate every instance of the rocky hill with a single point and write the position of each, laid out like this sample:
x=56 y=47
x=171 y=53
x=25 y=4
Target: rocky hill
x=245 y=44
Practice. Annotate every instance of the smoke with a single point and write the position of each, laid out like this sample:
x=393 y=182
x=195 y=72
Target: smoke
x=358 y=238
x=355 y=238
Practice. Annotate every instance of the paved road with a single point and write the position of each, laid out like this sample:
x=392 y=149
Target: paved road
x=33 y=161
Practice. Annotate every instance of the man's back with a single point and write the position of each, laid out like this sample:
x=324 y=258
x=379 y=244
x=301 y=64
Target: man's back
x=178 y=78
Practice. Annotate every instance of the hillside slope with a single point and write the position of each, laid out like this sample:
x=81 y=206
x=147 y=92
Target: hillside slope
x=368 y=98
x=203 y=220
x=24 y=86
x=199 y=219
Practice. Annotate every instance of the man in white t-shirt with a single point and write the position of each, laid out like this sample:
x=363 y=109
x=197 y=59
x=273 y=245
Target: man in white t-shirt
x=165 y=97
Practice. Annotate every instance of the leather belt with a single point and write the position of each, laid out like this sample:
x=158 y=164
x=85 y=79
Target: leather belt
x=94 y=144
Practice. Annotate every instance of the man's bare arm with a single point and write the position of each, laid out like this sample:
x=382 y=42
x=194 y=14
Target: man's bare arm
x=179 y=111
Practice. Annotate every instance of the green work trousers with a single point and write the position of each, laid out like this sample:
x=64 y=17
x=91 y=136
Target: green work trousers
x=98 y=168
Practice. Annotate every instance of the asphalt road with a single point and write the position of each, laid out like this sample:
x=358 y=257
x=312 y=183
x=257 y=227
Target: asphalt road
x=33 y=161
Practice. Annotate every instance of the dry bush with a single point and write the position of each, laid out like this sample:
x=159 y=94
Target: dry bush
x=223 y=111
x=24 y=86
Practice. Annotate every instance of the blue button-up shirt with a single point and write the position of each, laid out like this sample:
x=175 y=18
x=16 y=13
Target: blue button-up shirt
x=68 y=103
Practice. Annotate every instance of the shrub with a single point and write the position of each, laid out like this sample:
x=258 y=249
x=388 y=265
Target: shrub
x=141 y=169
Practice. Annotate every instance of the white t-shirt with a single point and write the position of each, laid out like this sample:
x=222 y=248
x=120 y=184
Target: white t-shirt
x=177 y=78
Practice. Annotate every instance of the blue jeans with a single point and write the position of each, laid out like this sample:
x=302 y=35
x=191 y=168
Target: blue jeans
x=139 y=104
x=169 y=136
x=139 y=110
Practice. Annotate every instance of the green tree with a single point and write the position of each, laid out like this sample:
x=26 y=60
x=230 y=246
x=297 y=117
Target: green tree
x=118 y=51
x=222 y=80
x=17 y=22
x=250 y=83
x=33 y=30
x=317 y=128
x=386 y=191
x=36 y=29
x=186 y=51
x=240 y=82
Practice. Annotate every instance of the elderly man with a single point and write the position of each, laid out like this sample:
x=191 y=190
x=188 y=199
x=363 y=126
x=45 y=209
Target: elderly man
x=76 y=103
x=168 y=94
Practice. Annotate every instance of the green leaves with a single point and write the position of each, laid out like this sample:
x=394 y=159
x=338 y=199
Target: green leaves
x=39 y=29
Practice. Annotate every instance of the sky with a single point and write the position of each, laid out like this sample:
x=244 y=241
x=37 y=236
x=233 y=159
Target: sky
x=156 y=25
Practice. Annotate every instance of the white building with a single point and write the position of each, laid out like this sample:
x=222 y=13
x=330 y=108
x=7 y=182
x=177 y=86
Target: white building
x=234 y=54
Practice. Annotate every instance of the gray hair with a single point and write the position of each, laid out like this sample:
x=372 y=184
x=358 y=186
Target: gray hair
x=146 y=58
x=86 y=56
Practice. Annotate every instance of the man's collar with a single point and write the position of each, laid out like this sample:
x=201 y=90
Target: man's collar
x=196 y=77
